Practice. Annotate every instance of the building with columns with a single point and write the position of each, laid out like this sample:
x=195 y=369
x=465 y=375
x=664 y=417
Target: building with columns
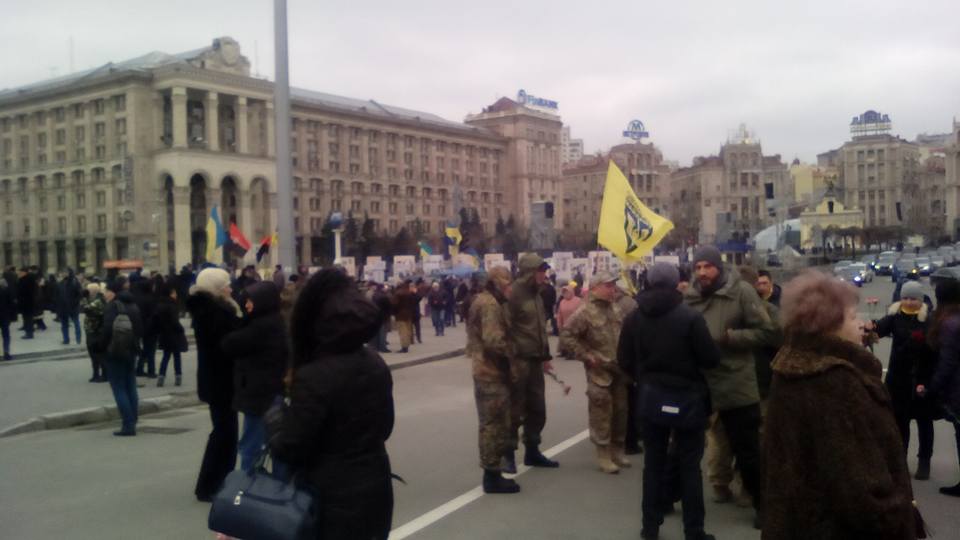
x=127 y=161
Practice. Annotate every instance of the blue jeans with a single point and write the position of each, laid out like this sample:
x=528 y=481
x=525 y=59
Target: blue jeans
x=123 y=383
x=436 y=315
x=166 y=359
x=449 y=316
x=252 y=439
x=65 y=326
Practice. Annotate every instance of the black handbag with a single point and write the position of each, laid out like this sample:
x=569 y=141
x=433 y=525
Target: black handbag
x=672 y=407
x=260 y=506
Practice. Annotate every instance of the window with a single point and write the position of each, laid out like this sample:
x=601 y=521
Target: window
x=43 y=203
x=99 y=130
x=121 y=126
x=78 y=110
x=41 y=140
x=101 y=199
x=393 y=208
x=80 y=154
x=333 y=130
x=354 y=168
x=101 y=222
x=375 y=207
x=101 y=151
x=61 y=202
x=81 y=200
x=120 y=103
x=81 y=224
x=43 y=226
x=98 y=108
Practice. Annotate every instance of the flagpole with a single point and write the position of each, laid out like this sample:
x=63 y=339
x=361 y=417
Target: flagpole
x=281 y=108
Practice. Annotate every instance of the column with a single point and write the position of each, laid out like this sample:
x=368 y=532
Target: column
x=178 y=97
x=212 y=121
x=242 y=135
x=274 y=250
x=271 y=138
x=182 y=236
x=157 y=140
x=245 y=223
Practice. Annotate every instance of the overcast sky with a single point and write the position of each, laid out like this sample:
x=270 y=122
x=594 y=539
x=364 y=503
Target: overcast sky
x=795 y=72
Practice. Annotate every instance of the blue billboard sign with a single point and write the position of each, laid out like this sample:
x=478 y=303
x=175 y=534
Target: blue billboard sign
x=636 y=130
x=524 y=98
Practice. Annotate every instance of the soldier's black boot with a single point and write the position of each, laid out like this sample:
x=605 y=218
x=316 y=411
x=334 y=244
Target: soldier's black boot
x=509 y=463
x=494 y=482
x=533 y=458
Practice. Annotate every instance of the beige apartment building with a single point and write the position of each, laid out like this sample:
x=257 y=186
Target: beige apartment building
x=732 y=196
x=532 y=156
x=584 y=181
x=878 y=173
x=952 y=183
x=127 y=161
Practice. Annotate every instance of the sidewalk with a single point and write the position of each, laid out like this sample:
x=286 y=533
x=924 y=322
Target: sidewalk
x=38 y=393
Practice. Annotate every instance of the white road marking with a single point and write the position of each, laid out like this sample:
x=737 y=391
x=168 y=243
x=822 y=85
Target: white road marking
x=416 y=525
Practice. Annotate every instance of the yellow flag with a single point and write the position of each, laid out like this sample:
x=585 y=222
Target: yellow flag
x=627 y=227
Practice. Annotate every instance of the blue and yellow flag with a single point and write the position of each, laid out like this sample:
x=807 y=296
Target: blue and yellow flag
x=453 y=238
x=425 y=249
x=627 y=227
x=216 y=236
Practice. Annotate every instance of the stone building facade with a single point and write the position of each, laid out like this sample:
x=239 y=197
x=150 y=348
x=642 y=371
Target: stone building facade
x=878 y=172
x=952 y=183
x=127 y=160
x=732 y=196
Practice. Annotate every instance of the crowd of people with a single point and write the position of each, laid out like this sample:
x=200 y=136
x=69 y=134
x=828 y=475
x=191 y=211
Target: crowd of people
x=775 y=387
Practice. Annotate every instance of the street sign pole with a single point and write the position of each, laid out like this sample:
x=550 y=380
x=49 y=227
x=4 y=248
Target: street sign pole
x=281 y=108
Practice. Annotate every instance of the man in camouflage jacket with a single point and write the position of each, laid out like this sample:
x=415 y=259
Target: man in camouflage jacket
x=592 y=335
x=93 y=306
x=490 y=353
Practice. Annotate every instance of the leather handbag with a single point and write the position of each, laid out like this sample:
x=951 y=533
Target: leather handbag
x=261 y=506
x=672 y=407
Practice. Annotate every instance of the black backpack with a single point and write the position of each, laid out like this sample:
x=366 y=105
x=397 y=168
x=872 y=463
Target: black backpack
x=123 y=341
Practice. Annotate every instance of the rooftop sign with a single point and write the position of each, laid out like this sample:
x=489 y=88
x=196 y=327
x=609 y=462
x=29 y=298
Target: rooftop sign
x=530 y=100
x=636 y=130
x=870 y=123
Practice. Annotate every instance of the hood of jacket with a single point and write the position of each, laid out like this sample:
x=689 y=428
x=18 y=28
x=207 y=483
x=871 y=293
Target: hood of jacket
x=265 y=297
x=921 y=316
x=345 y=322
x=657 y=302
x=126 y=297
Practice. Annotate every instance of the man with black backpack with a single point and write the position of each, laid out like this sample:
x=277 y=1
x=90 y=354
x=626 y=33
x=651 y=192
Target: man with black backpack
x=122 y=331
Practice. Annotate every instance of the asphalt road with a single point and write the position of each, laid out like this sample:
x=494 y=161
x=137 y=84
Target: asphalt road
x=83 y=483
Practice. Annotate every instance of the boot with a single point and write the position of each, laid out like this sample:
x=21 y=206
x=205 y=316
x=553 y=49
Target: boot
x=923 y=469
x=494 y=482
x=953 y=491
x=722 y=494
x=509 y=463
x=178 y=380
x=618 y=457
x=533 y=458
x=160 y=379
x=604 y=462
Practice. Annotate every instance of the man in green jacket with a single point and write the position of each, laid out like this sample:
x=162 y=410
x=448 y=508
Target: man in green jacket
x=739 y=325
x=528 y=330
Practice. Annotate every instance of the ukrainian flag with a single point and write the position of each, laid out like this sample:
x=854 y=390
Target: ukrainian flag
x=425 y=249
x=627 y=227
x=453 y=239
x=216 y=236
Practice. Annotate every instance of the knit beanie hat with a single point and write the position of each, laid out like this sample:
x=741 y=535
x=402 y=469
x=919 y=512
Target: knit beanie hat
x=212 y=280
x=663 y=276
x=912 y=289
x=708 y=254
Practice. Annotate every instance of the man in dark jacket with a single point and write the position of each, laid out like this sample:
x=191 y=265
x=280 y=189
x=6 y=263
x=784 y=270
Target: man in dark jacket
x=528 y=332
x=8 y=314
x=739 y=324
x=145 y=296
x=665 y=344
x=548 y=293
x=69 y=294
x=120 y=364
x=260 y=352
x=27 y=290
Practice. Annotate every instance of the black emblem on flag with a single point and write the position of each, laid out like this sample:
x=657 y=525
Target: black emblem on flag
x=635 y=226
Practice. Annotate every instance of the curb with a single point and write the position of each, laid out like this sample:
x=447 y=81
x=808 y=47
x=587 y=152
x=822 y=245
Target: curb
x=147 y=406
x=67 y=353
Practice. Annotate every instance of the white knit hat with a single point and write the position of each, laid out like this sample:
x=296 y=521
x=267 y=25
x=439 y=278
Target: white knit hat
x=212 y=280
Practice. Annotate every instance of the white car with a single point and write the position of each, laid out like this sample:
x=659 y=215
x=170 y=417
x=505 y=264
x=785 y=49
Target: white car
x=866 y=273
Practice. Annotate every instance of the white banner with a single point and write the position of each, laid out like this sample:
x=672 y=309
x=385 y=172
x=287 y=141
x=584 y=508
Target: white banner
x=491 y=260
x=561 y=265
x=432 y=264
x=464 y=259
x=350 y=265
x=404 y=266
x=599 y=261
x=581 y=267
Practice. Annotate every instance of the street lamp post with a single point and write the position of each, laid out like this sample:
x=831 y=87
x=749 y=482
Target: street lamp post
x=281 y=102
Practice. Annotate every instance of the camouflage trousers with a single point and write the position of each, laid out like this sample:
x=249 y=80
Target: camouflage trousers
x=528 y=407
x=607 y=409
x=493 y=412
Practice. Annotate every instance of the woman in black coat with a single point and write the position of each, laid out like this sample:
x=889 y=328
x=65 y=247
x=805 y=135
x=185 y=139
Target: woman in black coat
x=260 y=352
x=215 y=315
x=945 y=338
x=911 y=366
x=340 y=412
x=171 y=337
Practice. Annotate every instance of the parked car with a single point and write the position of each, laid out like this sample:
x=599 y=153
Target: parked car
x=870 y=261
x=904 y=268
x=840 y=266
x=851 y=274
x=937 y=262
x=866 y=273
x=884 y=265
x=923 y=265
